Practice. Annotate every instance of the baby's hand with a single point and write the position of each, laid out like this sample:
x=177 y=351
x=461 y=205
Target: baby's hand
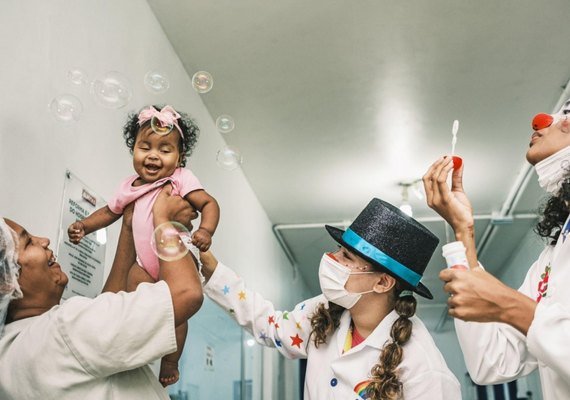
x=76 y=231
x=202 y=239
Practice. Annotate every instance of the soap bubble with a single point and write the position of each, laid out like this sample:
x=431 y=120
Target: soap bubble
x=156 y=82
x=66 y=108
x=159 y=128
x=225 y=123
x=202 y=81
x=112 y=90
x=229 y=158
x=170 y=241
x=77 y=76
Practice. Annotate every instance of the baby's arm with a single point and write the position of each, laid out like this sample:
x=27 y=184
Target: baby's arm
x=101 y=218
x=208 y=207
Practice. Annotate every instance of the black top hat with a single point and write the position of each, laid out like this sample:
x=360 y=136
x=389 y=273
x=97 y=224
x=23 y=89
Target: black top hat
x=386 y=237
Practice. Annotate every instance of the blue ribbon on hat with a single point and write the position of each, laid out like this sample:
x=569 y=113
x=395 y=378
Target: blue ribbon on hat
x=356 y=242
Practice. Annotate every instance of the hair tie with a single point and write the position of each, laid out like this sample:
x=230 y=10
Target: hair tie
x=405 y=293
x=162 y=122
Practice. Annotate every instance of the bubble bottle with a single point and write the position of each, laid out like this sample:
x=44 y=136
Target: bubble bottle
x=455 y=256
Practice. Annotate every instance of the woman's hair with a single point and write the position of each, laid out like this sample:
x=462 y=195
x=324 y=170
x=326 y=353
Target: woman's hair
x=324 y=322
x=554 y=213
x=186 y=143
x=385 y=383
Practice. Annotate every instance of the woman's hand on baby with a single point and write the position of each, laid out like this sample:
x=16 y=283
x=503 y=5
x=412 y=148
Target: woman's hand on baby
x=202 y=239
x=76 y=231
x=173 y=208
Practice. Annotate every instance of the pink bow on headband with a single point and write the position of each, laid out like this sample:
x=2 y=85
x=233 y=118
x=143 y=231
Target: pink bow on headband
x=167 y=116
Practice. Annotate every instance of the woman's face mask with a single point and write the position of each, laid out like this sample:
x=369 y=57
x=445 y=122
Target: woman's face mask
x=333 y=277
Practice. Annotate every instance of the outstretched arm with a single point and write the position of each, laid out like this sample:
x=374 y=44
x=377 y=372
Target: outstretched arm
x=101 y=218
x=289 y=331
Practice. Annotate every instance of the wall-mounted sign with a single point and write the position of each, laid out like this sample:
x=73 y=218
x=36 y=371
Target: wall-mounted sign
x=84 y=263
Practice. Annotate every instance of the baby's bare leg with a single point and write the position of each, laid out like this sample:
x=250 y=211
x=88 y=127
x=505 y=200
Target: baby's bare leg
x=169 y=373
x=169 y=365
x=137 y=275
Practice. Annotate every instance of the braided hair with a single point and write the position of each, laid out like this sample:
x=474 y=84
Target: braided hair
x=186 y=143
x=385 y=383
x=554 y=212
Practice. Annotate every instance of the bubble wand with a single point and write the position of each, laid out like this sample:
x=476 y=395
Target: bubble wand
x=457 y=161
x=456 y=164
x=454 y=130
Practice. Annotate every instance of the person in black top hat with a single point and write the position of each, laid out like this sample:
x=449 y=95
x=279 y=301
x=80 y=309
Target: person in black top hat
x=360 y=337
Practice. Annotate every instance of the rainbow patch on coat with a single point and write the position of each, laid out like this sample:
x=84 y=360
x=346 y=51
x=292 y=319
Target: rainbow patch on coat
x=361 y=389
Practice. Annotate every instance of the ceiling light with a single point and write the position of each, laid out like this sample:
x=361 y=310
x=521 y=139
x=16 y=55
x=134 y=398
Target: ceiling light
x=405 y=206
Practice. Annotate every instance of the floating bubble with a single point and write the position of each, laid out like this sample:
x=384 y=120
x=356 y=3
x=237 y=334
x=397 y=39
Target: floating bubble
x=112 y=90
x=66 y=108
x=160 y=128
x=170 y=240
x=156 y=82
x=202 y=81
x=225 y=123
x=77 y=76
x=229 y=158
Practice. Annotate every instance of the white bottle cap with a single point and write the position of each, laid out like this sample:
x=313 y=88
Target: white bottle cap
x=455 y=256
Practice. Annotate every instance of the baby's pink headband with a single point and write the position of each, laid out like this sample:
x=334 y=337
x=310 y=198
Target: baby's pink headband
x=161 y=121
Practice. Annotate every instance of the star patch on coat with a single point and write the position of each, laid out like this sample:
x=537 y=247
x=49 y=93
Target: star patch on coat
x=241 y=295
x=296 y=340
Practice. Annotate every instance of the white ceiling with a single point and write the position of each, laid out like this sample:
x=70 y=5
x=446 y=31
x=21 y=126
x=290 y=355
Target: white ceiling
x=336 y=102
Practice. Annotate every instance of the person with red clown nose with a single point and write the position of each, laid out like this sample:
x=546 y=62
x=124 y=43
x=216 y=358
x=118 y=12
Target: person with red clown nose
x=505 y=333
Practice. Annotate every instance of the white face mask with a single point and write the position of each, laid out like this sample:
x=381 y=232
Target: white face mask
x=553 y=170
x=333 y=277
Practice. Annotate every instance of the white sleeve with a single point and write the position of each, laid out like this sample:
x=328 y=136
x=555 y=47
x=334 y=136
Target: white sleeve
x=287 y=330
x=495 y=352
x=548 y=335
x=116 y=332
x=432 y=385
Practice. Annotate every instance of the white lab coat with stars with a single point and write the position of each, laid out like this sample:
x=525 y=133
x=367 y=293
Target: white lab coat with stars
x=330 y=373
x=496 y=352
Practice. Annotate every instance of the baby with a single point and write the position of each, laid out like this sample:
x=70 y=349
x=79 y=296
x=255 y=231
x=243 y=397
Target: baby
x=159 y=139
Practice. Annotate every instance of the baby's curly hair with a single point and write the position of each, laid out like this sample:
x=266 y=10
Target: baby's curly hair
x=186 y=143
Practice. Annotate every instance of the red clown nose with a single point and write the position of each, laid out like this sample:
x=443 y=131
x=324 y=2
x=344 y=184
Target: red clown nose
x=541 y=121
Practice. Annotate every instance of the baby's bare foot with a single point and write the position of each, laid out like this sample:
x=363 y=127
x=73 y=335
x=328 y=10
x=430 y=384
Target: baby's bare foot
x=169 y=373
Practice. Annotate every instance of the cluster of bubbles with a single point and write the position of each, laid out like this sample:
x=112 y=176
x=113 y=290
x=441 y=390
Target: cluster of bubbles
x=110 y=90
x=228 y=158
